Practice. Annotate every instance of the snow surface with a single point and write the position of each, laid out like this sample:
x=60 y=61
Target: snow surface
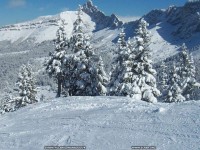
x=102 y=123
x=162 y=49
x=128 y=18
x=13 y=53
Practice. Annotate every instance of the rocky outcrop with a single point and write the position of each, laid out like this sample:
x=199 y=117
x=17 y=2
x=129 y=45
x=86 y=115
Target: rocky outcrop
x=40 y=22
x=186 y=19
x=102 y=21
x=155 y=16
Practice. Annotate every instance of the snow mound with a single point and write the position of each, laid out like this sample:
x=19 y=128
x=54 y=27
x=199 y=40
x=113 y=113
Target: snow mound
x=101 y=123
x=161 y=110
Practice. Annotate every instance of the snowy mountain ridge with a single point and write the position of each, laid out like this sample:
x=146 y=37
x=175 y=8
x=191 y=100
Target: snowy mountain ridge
x=184 y=23
x=43 y=28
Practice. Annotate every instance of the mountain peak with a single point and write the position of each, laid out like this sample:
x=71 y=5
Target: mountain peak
x=102 y=21
x=88 y=7
x=90 y=3
x=186 y=19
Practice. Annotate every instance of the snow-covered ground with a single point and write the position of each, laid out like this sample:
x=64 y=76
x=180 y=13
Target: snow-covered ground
x=128 y=18
x=161 y=48
x=102 y=123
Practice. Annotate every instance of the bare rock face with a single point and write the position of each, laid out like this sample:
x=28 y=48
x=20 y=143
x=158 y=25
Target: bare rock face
x=186 y=19
x=35 y=24
x=155 y=16
x=102 y=21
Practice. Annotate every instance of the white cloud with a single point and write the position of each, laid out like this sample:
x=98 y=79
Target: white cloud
x=16 y=3
x=65 y=9
x=41 y=8
x=128 y=18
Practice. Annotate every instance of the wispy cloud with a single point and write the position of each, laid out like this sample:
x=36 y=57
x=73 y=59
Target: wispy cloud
x=41 y=8
x=65 y=9
x=16 y=3
x=128 y=18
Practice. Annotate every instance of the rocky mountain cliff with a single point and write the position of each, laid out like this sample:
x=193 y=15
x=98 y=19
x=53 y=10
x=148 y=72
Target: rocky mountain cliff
x=185 y=19
x=102 y=21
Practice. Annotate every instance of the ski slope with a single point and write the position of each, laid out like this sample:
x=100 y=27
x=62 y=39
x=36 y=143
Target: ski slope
x=102 y=123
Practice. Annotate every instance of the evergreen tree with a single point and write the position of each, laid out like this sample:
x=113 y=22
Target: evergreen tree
x=68 y=70
x=101 y=77
x=27 y=89
x=7 y=104
x=142 y=66
x=31 y=84
x=89 y=78
x=83 y=70
x=163 y=76
x=163 y=79
x=187 y=74
x=122 y=83
x=182 y=80
x=54 y=64
x=77 y=39
x=175 y=91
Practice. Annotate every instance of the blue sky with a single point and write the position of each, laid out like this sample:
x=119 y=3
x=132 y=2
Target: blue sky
x=13 y=11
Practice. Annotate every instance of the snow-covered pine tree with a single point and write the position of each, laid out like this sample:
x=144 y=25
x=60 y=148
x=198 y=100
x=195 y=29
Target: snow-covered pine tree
x=84 y=71
x=174 y=90
x=117 y=66
x=77 y=39
x=27 y=89
x=68 y=70
x=7 y=104
x=84 y=75
x=54 y=64
x=101 y=77
x=122 y=83
x=187 y=74
x=163 y=77
x=31 y=84
x=142 y=67
x=88 y=77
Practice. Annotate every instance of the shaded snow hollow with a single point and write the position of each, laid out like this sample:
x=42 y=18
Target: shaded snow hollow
x=102 y=123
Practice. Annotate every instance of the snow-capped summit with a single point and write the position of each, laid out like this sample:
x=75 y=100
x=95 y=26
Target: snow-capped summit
x=43 y=28
x=90 y=7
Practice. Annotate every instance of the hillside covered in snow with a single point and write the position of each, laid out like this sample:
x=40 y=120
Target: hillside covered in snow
x=102 y=123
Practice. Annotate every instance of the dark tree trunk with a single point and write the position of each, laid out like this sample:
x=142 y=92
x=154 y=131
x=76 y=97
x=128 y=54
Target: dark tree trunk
x=59 y=85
